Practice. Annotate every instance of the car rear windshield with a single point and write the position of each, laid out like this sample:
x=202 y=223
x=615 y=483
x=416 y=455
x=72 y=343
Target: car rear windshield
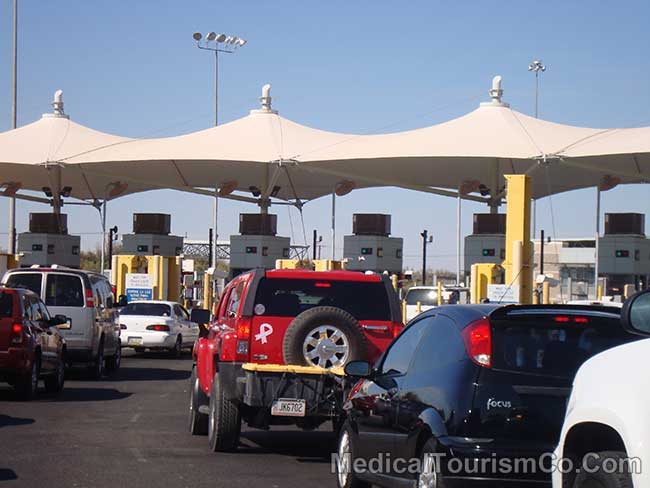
x=425 y=297
x=287 y=298
x=152 y=309
x=6 y=304
x=553 y=346
x=63 y=290
x=28 y=281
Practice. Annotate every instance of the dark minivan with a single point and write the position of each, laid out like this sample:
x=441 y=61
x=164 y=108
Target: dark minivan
x=470 y=393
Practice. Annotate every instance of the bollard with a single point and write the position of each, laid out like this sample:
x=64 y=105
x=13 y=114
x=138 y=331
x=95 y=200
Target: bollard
x=404 y=311
x=546 y=293
x=394 y=281
x=439 y=298
x=599 y=294
x=418 y=307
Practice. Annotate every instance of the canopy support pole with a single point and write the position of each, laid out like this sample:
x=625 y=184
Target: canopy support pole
x=597 y=247
x=458 y=234
x=14 y=83
x=215 y=211
x=103 y=249
x=333 y=226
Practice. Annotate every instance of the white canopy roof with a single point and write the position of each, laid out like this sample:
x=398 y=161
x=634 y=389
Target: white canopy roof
x=470 y=153
x=32 y=157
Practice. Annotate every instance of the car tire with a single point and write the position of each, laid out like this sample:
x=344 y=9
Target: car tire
x=97 y=369
x=599 y=474
x=430 y=475
x=27 y=385
x=345 y=476
x=113 y=363
x=54 y=382
x=198 y=422
x=177 y=350
x=319 y=320
x=224 y=422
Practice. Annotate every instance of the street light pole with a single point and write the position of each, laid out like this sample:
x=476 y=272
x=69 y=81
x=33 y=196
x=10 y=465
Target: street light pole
x=426 y=239
x=536 y=66
x=222 y=44
x=14 y=98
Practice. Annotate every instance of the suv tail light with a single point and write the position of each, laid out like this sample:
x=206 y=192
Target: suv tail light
x=158 y=327
x=478 y=342
x=243 y=337
x=16 y=333
x=90 y=299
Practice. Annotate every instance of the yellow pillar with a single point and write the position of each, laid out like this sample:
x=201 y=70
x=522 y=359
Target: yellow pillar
x=404 y=311
x=174 y=266
x=600 y=292
x=518 y=229
x=439 y=297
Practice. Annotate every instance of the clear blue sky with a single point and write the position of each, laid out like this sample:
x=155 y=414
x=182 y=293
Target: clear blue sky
x=131 y=68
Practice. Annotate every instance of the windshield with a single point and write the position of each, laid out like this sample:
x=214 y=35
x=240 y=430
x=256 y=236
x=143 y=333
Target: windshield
x=288 y=298
x=142 y=308
x=422 y=295
x=29 y=281
x=6 y=304
x=63 y=290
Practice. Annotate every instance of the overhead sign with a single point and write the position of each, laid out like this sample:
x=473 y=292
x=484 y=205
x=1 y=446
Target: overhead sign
x=139 y=286
x=503 y=293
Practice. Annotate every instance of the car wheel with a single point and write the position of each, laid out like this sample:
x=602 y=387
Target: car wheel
x=224 y=424
x=176 y=351
x=54 y=382
x=27 y=385
x=198 y=422
x=600 y=473
x=345 y=475
x=430 y=475
x=97 y=369
x=113 y=363
x=324 y=336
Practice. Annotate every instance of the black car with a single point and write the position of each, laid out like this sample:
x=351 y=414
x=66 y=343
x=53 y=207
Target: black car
x=469 y=393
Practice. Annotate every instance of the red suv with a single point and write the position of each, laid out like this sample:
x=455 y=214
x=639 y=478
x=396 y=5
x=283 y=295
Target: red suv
x=31 y=347
x=275 y=339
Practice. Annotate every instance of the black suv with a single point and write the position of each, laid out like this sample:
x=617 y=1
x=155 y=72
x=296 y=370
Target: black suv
x=469 y=393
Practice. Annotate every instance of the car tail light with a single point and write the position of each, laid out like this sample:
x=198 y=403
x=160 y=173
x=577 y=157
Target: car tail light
x=90 y=299
x=243 y=337
x=397 y=329
x=561 y=319
x=16 y=333
x=478 y=342
x=581 y=320
x=158 y=327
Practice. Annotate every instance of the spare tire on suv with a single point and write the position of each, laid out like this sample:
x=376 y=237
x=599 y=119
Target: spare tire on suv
x=324 y=336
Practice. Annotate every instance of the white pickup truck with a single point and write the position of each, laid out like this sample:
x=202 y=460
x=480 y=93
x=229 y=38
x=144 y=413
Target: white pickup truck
x=605 y=440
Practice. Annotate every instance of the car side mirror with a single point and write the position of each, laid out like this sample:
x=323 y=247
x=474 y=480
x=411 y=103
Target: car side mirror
x=59 y=321
x=200 y=316
x=635 y=314
x=358 y=369
x=122 y=301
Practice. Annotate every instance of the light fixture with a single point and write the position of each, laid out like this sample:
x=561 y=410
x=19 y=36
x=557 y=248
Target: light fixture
x=48 y=191
x=197 y=36
x=221 y=38
x=344 y=187
x=227 y=188
x=255 y=191
x=242 y=42
x=275 y=191
x=210 y=36
x=66 y=191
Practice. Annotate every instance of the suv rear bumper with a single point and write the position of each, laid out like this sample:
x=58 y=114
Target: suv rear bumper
x=496 y=461
x=15 y=362
x=323 y=393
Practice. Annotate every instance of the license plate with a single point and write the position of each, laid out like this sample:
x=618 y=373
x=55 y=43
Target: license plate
x=134 y=341
x=289 y=407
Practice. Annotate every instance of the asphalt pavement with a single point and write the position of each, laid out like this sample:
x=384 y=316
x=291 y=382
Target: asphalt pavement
x=130 y=430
